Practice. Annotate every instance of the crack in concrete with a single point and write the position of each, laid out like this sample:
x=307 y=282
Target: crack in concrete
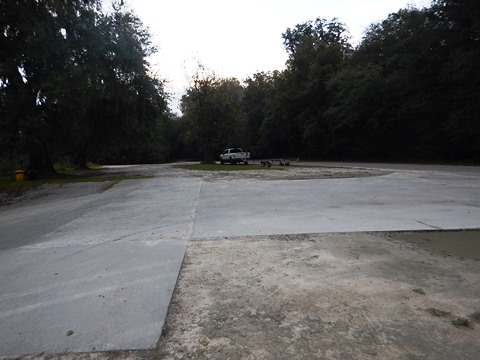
x=431 y=226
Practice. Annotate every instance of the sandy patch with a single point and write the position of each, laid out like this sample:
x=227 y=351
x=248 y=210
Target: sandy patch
x=282 y=173
x=330 y=296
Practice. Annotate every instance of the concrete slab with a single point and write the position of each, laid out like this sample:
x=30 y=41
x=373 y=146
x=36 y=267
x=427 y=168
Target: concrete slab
x=97 y=271
x=104 y=278
x=399 y=201
x=424 y=168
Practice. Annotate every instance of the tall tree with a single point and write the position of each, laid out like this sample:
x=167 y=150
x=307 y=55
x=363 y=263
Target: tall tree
x=32 y=61
x=458 y=26
x=213 y=110
x=317 y=50
x=403 y=57
x=259 y=92
x=74 y=80
x=428 y=86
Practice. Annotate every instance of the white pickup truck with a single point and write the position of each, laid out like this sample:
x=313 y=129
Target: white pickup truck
x=234 y=156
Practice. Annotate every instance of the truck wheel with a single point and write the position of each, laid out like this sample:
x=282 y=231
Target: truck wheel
x=246 y=162
x=233 y=161
x=222 y=162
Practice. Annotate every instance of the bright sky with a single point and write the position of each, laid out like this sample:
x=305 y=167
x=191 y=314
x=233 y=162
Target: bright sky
x=238 y=38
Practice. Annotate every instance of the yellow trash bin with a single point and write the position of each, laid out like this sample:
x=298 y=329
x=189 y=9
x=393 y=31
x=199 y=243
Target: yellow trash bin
x=19 y=175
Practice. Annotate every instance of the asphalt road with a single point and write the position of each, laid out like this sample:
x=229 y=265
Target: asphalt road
x=96 y=271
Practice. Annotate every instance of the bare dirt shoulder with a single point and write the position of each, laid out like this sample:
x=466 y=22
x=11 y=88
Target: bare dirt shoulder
x=330 y=296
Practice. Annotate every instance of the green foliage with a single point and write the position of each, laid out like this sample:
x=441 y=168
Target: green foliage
x=258 y=92
x=437 y=312
x=408 y=92
x=476 y=316
x=284 y=108
x=214 y=114
x=419 y=291
x=74 y=82
x=461 y=322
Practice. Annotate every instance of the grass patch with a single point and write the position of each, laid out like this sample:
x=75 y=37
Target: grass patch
x=227 y=167
x=461 y=322
x=437 y=312
x=165 y=330
x=110 y=185
x=476 y=316
x=419 y=291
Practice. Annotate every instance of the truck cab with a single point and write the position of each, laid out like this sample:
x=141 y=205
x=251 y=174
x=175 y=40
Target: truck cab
x=234 y=156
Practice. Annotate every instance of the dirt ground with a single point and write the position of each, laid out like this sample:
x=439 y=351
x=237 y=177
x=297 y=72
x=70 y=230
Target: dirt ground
x=328 y=296
x=400 y=295
x=293 y=172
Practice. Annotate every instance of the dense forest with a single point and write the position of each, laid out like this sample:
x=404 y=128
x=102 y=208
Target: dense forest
x=75 y=84
x=410 y=91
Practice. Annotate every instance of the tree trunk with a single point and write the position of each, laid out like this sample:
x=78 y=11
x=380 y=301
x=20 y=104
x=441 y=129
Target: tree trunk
x=80 y=160
x=40 y=164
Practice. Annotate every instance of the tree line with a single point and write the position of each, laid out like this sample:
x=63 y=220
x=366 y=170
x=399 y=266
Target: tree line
x=75 y=83
x=410 y=91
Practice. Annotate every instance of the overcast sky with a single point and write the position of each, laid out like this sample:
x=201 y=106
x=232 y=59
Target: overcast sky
x=237 y=38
